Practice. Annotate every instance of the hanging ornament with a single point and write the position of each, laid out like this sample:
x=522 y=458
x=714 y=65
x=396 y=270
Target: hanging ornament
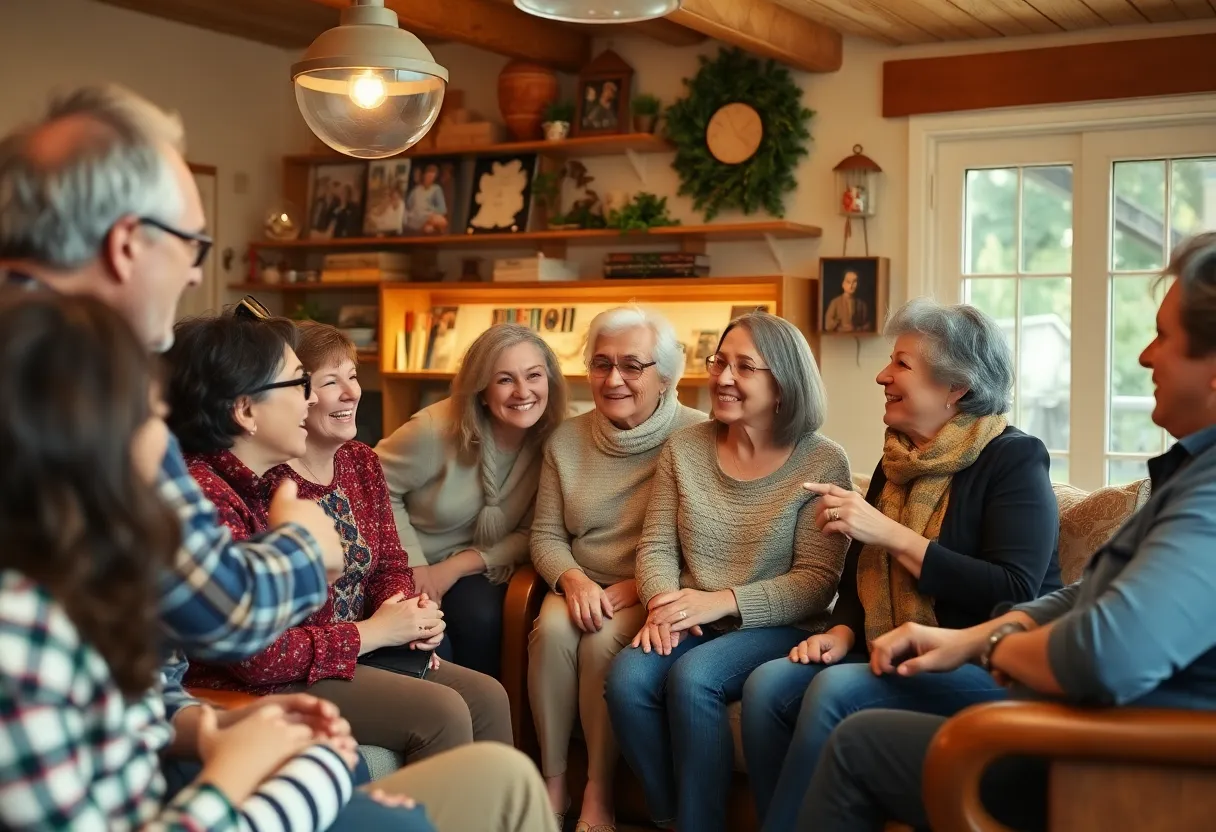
x=856 y=187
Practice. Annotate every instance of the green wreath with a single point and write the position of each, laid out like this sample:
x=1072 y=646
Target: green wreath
x=763 y=180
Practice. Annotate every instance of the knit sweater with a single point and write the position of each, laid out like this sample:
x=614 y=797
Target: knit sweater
x=706 y=530
x=326 y=644
x=437 y=496
x=594 y=488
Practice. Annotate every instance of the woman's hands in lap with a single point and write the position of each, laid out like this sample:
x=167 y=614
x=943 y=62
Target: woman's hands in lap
x=400 y=620
x=588 y=603
x=824 y=648
x=623 y=594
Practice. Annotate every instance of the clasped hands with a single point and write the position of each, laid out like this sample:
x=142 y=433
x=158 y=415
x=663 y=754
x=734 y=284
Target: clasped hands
x=672 y=613
x=589 y=603
x=416 y=621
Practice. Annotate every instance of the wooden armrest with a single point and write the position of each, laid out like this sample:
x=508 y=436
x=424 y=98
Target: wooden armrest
x=525 y=593
x=969 y=742
x=227 y=699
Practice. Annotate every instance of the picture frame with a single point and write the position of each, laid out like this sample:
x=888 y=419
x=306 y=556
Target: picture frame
x=605 y=87
x=853 y=295
x=388 y=181
x=500 y=201
x=433 y=196
x=336 y=198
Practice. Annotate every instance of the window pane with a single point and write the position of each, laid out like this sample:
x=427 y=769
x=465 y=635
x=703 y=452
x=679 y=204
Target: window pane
x=1192 y=197
x=1047 y=220
x=1139 y=216
x=1132 y=326
x=1045 y=360
x=1059 y=469
x=998 y=297
x=991 y=238
x=1123 y=471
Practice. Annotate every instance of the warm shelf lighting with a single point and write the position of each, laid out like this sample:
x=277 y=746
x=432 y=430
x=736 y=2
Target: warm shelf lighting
x=599 y=11
x=368 y=88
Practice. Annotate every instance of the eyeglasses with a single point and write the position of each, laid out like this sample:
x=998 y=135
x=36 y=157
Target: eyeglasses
x=716 y=366
x=201 y=243
x=629 y=370
x=305 y=380
x=251 y=309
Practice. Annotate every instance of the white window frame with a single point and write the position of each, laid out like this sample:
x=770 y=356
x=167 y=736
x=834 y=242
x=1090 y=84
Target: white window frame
x=929 y=274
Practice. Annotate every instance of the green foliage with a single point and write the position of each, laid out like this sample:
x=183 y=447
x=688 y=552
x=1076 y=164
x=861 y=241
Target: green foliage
x=559 y=111
x=310 y=310
x=643 y=212
x=645 y=104
x=547 y=188
x=762 y=181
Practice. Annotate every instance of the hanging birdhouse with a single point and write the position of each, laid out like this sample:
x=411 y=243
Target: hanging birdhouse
x=857 y=184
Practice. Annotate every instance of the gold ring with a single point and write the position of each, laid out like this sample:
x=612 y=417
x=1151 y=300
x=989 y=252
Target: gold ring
x=834 y=514
x=683 y=614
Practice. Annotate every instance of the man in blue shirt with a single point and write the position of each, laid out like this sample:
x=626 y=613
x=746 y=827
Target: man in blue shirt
x=1135 y=630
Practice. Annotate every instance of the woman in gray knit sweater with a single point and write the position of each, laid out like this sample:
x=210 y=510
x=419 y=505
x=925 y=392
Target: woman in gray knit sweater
x=594 y=487
x=730 y=566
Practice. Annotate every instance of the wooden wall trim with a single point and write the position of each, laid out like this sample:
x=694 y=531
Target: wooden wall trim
x=1052 y=75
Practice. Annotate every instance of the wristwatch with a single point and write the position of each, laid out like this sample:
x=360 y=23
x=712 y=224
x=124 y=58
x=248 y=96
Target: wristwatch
x=994 y=638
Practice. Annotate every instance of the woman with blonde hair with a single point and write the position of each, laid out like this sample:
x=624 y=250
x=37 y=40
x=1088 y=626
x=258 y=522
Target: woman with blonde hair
x=462 y=476
x=594 y=487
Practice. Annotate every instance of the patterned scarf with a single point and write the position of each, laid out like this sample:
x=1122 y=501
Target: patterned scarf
x=915 y=495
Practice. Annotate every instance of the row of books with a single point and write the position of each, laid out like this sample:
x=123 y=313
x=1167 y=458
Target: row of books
x=548 y=319
x=428 y=341
x=656 y=264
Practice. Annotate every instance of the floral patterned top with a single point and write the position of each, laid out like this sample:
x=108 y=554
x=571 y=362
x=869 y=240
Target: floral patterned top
x=326 y=644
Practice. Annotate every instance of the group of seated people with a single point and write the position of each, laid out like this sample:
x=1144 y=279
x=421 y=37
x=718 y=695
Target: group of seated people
x=695 y=560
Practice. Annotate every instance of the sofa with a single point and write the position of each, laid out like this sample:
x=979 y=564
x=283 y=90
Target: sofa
x=1087 y=520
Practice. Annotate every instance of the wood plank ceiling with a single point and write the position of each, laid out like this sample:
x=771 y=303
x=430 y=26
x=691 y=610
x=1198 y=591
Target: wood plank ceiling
x=926 y=21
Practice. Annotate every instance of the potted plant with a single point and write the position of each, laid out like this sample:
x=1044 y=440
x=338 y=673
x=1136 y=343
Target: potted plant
x=558 y=115
x=645 y=109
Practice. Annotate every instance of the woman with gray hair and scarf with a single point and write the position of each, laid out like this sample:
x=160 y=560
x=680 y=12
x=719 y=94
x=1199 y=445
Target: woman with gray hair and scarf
x=960 y=518
x=594 y=488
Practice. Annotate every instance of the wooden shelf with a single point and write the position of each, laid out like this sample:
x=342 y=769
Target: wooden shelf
x=368 y=357
x=313 y=286
x=576 y=148
x=717 y=232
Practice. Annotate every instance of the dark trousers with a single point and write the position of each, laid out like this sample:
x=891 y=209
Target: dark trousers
x=472 y=609
x=870 y=773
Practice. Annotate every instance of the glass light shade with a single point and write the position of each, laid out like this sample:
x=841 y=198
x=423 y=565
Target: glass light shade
x=599 y=11
x=368 y=88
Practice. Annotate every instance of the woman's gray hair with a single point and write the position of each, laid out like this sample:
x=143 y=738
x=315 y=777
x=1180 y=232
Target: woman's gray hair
x=963 y=347
x=783 y=348
x=668 y=354
x=1193 y=263
x=56 y=207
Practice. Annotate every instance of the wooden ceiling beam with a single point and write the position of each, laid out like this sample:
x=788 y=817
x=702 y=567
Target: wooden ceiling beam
x=264 y=21
x=765 y=28
x=666 y=32
x=492 y=26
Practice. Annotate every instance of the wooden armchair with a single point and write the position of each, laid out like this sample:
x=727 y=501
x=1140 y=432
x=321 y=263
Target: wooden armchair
x=1109 y=769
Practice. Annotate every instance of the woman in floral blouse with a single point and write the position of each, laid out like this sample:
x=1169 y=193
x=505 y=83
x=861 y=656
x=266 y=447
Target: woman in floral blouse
x=244 y=404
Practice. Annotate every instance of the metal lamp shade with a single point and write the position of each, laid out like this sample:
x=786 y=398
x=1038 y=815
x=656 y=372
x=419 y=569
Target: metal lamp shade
x=599 y=11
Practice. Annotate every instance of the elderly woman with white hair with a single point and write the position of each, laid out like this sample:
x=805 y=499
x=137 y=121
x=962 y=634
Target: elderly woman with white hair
x=959 y=519
x=594 y=488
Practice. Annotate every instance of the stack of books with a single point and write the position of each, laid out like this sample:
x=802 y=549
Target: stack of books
x=364 y=266
x=535 y=268
x=662 y=264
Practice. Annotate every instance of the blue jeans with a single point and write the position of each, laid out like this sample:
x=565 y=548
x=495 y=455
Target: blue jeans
x=669 y=717
x=790 y=710
x=472 y=609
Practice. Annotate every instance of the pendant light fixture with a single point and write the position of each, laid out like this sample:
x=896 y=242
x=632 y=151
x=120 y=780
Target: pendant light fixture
x=368 y=88
x=599 y=11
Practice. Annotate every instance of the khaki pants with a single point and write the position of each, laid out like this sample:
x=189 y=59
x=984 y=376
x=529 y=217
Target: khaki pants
x=485 y=787
x=451 y=707
x=566 y=671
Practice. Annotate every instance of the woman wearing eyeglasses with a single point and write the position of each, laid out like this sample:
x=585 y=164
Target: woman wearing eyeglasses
x=462 y=476
x=730 y=566
x=594 y=487
x=241 y=404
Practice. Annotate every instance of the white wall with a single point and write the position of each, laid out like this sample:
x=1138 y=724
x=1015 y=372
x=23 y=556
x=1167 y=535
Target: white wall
x=234 y=96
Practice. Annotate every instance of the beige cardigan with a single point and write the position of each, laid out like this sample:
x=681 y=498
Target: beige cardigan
x=437 y=498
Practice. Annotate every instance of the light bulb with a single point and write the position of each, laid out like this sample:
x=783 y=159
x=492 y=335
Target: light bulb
x=368 y=90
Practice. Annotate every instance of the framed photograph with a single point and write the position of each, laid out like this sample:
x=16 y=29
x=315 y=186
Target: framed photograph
x=430 y=202
x=335 y=200
x=853 y=294
x=602 y=97
x=704 y=342
x=388 y=181
x=502 y=194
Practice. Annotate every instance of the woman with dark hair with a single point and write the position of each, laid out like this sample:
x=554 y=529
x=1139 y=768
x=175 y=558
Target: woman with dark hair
x=247 y=407
x=82 y=723
x=730 y=567
x=463 y=474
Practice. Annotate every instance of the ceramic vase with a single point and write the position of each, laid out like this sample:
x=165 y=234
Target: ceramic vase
x=524 y=90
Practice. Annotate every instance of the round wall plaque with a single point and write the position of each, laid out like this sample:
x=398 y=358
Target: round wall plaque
x=734 y=133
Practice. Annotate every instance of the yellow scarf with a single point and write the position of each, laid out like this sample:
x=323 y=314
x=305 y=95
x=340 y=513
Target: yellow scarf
x=915 y=496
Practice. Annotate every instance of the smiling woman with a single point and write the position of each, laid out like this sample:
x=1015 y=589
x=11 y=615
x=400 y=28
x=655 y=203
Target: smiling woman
x=463 y=474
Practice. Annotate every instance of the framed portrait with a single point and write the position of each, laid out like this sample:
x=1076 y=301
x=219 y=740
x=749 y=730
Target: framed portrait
x=388 y=182
x=501 y=201
x=602 y=97
x=853 y=295
x=702 y=345
x=336 y=200
x=430 y=202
